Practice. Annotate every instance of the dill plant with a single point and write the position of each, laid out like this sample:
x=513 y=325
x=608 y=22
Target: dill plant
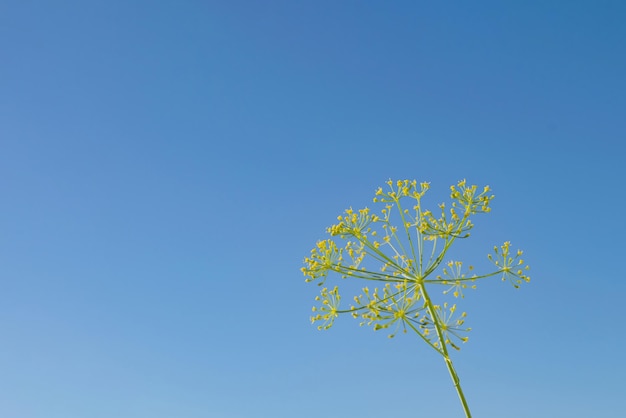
x=401 y=251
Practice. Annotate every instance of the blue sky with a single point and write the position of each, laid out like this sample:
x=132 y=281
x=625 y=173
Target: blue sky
x=166 y=166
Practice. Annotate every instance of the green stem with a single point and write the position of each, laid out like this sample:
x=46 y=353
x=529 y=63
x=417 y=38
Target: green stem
x=444 y=350
x=457 y=386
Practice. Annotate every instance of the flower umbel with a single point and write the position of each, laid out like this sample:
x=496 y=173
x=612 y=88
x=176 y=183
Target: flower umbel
x=401 y=250
x=328 y=309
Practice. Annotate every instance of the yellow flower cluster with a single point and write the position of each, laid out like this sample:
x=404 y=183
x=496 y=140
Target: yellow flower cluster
x=456 y=278
x=328 y=310
x=325 y=257
x=398 y=304
x=449 y=324
x=511 y=267
x=403 y=249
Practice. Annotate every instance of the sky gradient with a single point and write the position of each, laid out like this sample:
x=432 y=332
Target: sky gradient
x=166 y=166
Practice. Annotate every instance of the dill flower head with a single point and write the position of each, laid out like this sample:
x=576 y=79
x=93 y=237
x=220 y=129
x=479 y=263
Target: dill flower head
x=400 y=250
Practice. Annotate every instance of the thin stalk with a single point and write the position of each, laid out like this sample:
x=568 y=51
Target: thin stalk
x=444 y=350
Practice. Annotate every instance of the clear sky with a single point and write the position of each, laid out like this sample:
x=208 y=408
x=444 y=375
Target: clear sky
x=166 y=166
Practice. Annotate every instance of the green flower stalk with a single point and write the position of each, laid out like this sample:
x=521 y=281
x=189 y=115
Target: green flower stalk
x=401 y=251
